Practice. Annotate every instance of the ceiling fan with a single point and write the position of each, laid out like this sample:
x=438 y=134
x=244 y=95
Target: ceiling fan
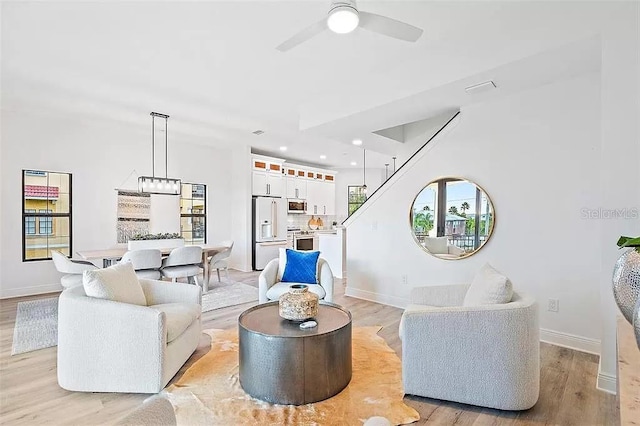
x=344 y=17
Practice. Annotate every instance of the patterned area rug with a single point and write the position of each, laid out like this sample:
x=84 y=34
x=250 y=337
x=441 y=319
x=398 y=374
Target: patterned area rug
x=36 y=325
x=209 y=392
x=221 y=295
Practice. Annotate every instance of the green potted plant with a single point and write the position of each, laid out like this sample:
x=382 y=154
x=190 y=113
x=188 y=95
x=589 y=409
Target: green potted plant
x=159 y=241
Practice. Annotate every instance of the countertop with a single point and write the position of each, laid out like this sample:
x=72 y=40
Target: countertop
x=312 y=232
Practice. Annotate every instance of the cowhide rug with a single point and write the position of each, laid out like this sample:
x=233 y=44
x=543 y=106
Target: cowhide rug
x=209 y=392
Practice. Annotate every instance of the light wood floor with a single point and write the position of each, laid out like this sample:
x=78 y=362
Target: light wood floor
x=30 y=393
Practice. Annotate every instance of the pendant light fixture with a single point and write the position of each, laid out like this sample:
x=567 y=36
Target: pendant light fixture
x=154 y=184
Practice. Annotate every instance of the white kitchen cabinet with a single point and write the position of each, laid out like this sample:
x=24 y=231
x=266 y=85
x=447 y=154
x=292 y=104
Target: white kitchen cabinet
x=296 y=188
x=267 y=177
x=313 y=196
x=321 y=197
x=328 y=198
x=267 y=183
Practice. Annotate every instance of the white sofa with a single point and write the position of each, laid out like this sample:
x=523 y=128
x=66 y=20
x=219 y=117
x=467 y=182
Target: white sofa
x=108 y=346
x=485 y=355
x=271 y=288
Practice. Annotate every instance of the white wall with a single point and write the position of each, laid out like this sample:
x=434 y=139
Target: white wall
x=240 y=208
x=164 y=214
x=537 y=154
x=100 y=155
x=619 y=185
x=353 y=177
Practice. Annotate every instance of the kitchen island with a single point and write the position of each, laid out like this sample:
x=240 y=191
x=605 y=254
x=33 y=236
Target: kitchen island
x=332 y=246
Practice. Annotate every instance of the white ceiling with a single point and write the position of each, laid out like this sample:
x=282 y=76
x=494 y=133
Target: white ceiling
x=213 y=66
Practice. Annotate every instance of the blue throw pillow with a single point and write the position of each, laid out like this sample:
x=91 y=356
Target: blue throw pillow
x=301 y=267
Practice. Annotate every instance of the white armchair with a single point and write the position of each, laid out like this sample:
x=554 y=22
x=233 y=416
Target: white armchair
x=440 y=247
x=271 y=288
x=108 y=346
x=486 y=355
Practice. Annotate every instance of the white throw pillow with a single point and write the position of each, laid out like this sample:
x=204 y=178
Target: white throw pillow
x=489 y=287
x=118 y=283
x=436 y=245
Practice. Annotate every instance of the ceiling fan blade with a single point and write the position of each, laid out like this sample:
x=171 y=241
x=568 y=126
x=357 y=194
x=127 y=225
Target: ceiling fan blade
x=389 y=27
x=304 y=35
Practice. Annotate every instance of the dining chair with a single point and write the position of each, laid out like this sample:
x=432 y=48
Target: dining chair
x=220 y=260
x=146 y=262
x=72 y=268
x=183 y=262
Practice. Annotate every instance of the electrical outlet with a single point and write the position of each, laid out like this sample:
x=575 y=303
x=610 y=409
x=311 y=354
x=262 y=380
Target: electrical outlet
x=374 y=226
x=554 y=305
x=405 y=279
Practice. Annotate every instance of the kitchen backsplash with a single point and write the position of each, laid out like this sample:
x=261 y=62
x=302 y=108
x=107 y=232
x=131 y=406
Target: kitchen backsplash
x=302 y=220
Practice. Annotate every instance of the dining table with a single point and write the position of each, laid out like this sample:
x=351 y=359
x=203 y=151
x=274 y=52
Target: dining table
x=111 y=255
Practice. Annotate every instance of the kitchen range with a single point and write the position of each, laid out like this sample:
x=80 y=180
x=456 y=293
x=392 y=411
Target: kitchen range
x=303 y=240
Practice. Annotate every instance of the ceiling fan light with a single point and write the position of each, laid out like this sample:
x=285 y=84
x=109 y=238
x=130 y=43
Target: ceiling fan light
x=343 y=19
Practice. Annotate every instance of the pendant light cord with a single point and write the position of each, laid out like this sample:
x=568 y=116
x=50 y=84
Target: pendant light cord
x=153 y=145
x=364 y=168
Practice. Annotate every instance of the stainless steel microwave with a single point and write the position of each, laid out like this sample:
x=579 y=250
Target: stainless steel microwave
x=296 y=206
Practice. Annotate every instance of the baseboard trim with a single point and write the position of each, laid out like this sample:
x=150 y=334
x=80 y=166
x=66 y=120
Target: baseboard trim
x=566 y=340
x=29 y=291
x=607 y=383
x=384 y=299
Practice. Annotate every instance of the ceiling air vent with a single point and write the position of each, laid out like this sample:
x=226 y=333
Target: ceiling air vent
x=258 y=132
x=482 y=87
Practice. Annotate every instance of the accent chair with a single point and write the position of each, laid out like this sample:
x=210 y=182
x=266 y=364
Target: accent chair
x=486 y=355
x=110 y=346
x=271 y=287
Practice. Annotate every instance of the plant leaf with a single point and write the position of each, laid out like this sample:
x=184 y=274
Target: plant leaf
x=628 y=242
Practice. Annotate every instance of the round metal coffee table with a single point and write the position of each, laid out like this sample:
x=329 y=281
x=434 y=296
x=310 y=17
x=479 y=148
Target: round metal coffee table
x=283 y=364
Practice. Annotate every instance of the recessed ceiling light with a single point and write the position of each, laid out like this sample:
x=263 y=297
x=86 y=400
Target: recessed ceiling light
x=323 y=157
x=258 y=132
x=283 y=148
x=357 y=142
x=353 y=163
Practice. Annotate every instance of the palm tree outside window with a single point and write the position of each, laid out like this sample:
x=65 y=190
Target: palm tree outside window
x=356 y=197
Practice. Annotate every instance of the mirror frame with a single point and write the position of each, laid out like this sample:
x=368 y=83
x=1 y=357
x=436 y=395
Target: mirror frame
x=466 y=255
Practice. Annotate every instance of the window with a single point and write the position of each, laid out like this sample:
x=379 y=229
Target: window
x=46 y=223
x=30 y=223
x=46 y=214
x=357 y=197
x=193 y=213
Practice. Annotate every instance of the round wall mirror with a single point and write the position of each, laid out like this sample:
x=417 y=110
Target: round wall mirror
x=452 y=218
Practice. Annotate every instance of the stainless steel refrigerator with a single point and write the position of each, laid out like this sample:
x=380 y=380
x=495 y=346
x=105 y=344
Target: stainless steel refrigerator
x=269 y=229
